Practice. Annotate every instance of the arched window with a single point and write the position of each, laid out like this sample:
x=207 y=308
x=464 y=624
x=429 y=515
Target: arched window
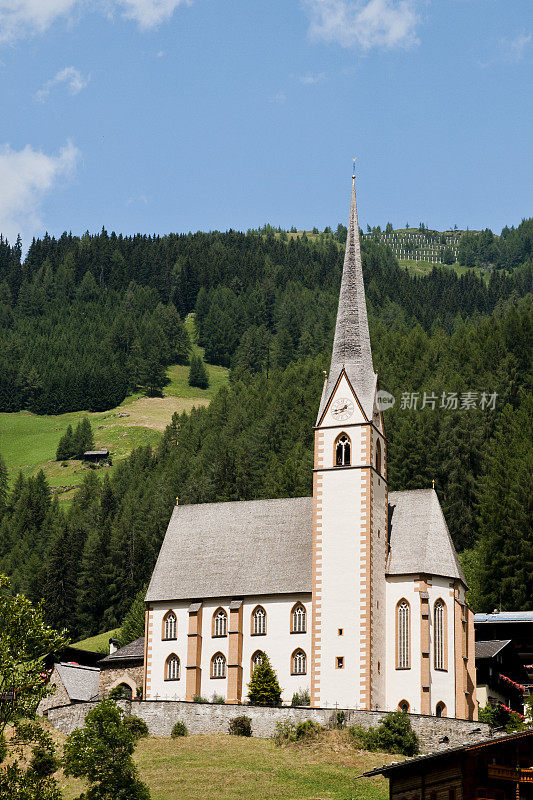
x=378 y=457
x=440 y=709
x=342 y=451
x=170 y=627
x=298 y=619
x=172 y=668
x=404 y=706
x=220 y=623
x=298 y=662
x=440 y=655
x=259 y=621
x=403 y=634
x=257 y=658
x=218 y=666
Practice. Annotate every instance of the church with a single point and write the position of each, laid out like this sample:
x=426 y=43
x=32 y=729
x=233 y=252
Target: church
x=355 y=594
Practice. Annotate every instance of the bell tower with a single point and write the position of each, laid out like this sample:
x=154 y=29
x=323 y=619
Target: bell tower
x=349 y=510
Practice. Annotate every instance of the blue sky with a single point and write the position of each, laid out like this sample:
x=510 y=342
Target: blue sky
x=170 y=115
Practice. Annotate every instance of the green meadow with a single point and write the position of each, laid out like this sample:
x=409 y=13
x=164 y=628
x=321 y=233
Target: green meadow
x=28 y=442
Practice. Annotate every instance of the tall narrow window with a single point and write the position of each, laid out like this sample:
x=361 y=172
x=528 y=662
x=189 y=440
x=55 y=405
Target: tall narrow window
x=220 y=623
x=172 y=672
x=170 y=626
x=259 y=621
x=218 y=666
x=378 y=457
x=299 y=662
x=342 y=451
x=438 y=635
x=403 y=655
x=257 y=658
x=299 y=619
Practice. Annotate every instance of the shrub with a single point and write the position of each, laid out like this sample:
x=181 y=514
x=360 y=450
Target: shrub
x=500 y=716
x=288 y=731
x=338 y=720
x=117 y=693
x=394 y=735
x=179 y=729
x=240 y=726
x=284 y=732
x=308 y=731
x=137 y=726
x=218 y=700
x=3 y=747
x=264 y=688
x=199 y=699
x=301 y=698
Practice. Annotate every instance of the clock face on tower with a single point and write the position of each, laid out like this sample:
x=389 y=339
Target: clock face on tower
x=342 y=408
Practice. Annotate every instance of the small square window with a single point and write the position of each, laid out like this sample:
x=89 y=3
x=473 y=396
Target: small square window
x=339 y=662
x=340 y=631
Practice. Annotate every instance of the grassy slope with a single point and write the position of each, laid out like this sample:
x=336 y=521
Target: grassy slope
x=219 y=767
x=28 y=442
x=99 y=643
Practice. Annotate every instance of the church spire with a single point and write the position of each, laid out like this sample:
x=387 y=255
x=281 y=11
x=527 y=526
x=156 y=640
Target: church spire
x=351 y=345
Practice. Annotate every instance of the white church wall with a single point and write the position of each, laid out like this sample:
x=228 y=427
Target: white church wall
x=442 y=682
x=278 y=642
x=403 y=684
x=212 y=645
x=161 y=689
x=379 y=597
x=342 y=514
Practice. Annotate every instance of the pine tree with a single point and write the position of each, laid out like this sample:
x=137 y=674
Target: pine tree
x=65 y=448
x=198 y=373
x=264 y=688
x=83 y=438
x=3 y=486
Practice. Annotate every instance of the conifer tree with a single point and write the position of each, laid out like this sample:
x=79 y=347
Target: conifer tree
x=133 y=623
x=264 y=688
x=65 y=448
x=198 y=373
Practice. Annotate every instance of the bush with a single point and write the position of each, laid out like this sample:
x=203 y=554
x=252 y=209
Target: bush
x=308 y=731
x=500 y=716
x=264 y=688
x=394 y=735
x=288 y=731
x=199 y=699
x=240 y=726
x=179 y=729
x=118 y=693
x=137 y=726
x=301 y=698
x=218 y=700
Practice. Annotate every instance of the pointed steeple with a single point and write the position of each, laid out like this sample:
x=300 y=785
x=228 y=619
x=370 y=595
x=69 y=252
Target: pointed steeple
x=351 y=345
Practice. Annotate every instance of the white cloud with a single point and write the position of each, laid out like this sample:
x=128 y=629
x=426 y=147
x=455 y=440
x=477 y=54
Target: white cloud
x=20 y=18
x=509 y=51
x=310 y=80
x=149 y=13
x=23 y=17
x=513 y=49
x=280 y=97
x=69 y=75
x=365 y=23
x=26 y=176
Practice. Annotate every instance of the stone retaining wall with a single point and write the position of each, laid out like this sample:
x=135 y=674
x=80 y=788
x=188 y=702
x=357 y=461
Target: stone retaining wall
x=161 y=715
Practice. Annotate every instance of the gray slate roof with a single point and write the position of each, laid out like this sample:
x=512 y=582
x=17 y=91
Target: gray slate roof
x=419 y=537
x=234 y=549
x=351 y=345
x=134 y=651
x=81 y=683
x=491 y=648
x=260 y=547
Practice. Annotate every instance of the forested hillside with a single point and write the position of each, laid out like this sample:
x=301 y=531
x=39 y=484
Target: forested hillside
x=265 y=307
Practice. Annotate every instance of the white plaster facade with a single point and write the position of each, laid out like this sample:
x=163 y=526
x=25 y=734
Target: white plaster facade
x=279 y=643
